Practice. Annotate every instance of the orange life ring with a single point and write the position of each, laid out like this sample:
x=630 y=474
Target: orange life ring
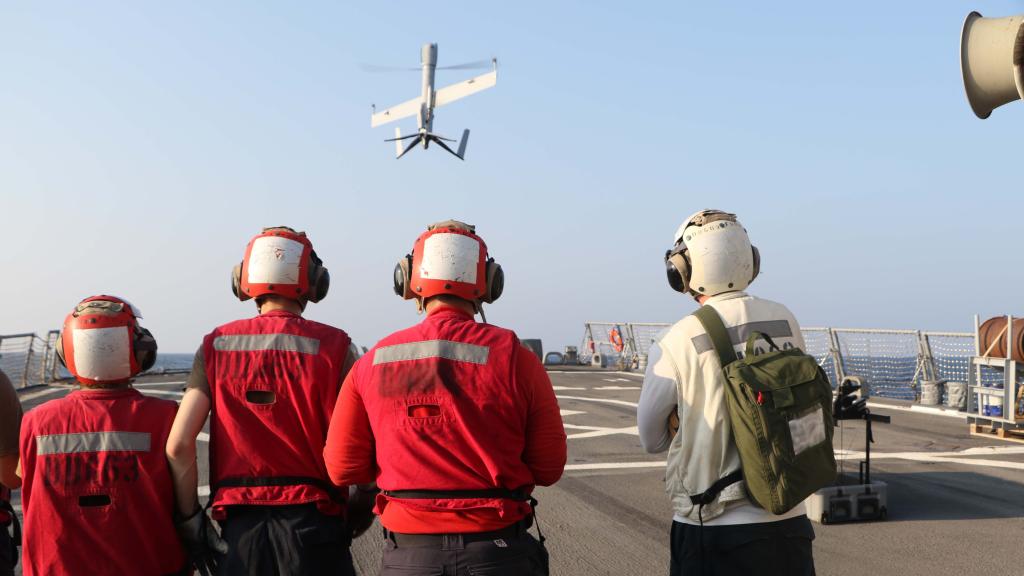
x=616 y=340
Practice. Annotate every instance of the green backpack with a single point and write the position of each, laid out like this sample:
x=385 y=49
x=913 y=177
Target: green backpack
x=780 y=407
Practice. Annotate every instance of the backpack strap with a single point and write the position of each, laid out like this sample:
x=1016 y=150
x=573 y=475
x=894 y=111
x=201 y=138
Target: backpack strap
x=718 y=333
x=708 y=496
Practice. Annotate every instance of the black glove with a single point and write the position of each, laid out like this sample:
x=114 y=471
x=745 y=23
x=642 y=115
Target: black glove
x=202 y=542
x=360 y=509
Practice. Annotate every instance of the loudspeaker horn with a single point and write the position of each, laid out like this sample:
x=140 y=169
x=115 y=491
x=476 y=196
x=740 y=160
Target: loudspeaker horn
x=992 y=61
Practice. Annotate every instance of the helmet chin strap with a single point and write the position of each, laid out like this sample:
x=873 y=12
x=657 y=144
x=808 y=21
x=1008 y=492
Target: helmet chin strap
x=480 y=308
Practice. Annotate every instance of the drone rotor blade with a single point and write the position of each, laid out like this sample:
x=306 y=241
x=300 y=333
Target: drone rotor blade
x=439 y=137
x=475 y=65
x=445 y=146
x=410 y=146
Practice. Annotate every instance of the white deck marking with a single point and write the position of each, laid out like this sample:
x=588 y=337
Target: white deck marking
x=204 y=490
x=921 y=410
x=596 y=431
x=938 y=457
x=203 y=437
x=615 y=465
x=571 y=412
x=957 y=457
x=990 y=450
x=568 y=388
x=605 y=400
x=40 y=393
x=976 y=451
x=617 y=388
x=926 y=457
x=168 y=393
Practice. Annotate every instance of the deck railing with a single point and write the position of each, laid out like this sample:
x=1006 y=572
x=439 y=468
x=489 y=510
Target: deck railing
x=28 y=359
x=893 y=363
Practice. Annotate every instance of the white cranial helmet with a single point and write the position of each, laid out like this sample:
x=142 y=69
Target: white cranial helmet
x=712 y=254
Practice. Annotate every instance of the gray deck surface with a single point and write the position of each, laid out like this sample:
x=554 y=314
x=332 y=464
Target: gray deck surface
x=950 y=512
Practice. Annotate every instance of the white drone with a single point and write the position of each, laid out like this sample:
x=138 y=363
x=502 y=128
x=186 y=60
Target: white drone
x=423 y=106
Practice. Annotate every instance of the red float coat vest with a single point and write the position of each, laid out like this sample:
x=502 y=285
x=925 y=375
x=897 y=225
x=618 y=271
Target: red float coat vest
x=97 y=493
x=272 y=453
x=448 y=415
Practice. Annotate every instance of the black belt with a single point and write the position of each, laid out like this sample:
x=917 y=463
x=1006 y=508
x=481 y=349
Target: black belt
x=511 y=532
x=518 y=528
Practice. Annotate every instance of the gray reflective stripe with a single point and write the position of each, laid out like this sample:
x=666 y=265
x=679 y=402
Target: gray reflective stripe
x=739 y=334
x=253 y=342
x=458 y=351
x=92 y=442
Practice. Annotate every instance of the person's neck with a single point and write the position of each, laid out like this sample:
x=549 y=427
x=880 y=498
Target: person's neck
x=105 y=387
x=285 y=304
x=457 y=303
x=701 y=299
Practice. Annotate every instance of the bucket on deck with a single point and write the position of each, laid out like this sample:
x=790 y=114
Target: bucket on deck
x=992 y=407
x=931 y=392
x=956 y=395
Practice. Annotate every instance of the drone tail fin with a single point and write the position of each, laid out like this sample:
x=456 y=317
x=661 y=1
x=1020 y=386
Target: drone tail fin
x=462 y=144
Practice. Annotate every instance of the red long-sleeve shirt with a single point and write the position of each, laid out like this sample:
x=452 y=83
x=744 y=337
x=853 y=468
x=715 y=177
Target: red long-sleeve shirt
x=351 y=457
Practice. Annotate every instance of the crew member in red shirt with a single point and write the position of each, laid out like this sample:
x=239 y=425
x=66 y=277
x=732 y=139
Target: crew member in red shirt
x=269 y=385
x=455 y=420
x=10 y=424
x=97 y=492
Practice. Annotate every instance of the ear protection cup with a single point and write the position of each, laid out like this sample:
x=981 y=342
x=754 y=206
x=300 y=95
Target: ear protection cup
x=319 y=279
x=677 y=269
x=236 y=283
x=402 y=278
x=319 y=284
x=495 y=281
x=757 y=263
x=58 y=347
x=144 y=346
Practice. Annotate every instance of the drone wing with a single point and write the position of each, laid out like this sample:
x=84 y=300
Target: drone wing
x=450 y=94
x=403 y=110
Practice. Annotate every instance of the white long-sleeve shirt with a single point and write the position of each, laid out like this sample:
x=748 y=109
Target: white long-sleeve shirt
x=684 y=375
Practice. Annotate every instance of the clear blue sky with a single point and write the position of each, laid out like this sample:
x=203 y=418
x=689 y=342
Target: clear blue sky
x=143 y=144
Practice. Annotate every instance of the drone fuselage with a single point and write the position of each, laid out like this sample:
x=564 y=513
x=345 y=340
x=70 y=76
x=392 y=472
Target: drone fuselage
x=428 y=58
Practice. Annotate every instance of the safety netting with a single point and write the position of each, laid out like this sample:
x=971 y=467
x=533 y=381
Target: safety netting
x=951 y=354
x=891 y=363
x=27 y=359
x=888 y=361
